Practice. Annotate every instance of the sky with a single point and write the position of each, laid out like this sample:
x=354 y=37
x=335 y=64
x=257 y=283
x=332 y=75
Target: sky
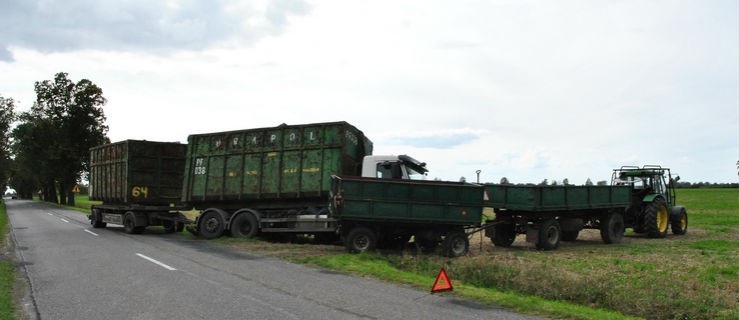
x=527 y=90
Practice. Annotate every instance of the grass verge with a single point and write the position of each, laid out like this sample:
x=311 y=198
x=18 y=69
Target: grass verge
x=7 y=272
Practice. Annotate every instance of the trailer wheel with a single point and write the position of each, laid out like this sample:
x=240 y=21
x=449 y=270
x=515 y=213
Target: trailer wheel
x=211 y=225
x=169 y=226
x=570 y=235
x=612 y=228
x=679 y=220
x=456 y=244
x=96 y=219
x=129 y=224
x=656 y=219
x=245 y=225
x=504 y=234
x=361 y=239
x=549 y=235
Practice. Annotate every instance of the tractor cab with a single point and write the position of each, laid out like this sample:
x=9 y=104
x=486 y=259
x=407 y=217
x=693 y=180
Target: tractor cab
x=653 y=200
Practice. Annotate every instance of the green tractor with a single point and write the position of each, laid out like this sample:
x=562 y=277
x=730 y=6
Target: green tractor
x=653 y=200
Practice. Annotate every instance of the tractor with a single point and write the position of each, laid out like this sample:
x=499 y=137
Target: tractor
x=653 y=202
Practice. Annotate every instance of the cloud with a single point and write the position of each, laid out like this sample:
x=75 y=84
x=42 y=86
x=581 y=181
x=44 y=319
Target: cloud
x=159 y=26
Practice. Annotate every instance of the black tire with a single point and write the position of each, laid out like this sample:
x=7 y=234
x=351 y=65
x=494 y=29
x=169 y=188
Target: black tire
x=679 y=220
x=245 y=225
x=549 y=235
x=211 y=225
x=360 y=239
x=427 y=240
x=612 y=228
x=656 y=219
x=456 y=243
x=96 y=219
x=570 y=235
x=129 y=224
x=169 y=226
x=503 y=235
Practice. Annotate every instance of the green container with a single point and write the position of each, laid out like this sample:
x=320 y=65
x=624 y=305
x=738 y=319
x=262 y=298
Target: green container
x=137 y=172
x=556 y=198
x=281 y=163
x=407 y=201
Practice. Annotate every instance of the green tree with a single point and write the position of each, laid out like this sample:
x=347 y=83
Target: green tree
x=7 y=117
x=66 y=120
x=589 y=182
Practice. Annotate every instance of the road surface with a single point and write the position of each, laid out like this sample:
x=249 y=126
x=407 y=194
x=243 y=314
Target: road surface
x=77 y=272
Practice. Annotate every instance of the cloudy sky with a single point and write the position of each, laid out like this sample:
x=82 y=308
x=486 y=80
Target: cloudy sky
x=526 y=90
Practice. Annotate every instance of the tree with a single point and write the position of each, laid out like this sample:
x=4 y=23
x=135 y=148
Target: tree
x=7 y=117
x=545 y=182
x=504 y=180
x=66 y=120
x=589 y=182
x=566 y=182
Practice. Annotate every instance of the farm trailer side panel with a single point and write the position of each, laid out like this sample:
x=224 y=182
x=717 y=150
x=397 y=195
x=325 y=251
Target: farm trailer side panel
x=139 y=183
x=548 y=214
x=269 y=179
x=372 y=212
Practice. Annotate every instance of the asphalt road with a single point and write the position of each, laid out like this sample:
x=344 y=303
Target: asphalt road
x=77 y=272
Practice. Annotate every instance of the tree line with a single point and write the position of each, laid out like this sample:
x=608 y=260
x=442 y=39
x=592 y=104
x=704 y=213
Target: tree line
x=45 y=150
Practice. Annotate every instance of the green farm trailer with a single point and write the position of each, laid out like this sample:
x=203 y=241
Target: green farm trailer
x=638 y=198
x=373 y=212
x=139 y=183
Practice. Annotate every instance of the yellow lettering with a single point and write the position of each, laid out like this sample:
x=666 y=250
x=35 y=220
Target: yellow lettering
x=138 y=192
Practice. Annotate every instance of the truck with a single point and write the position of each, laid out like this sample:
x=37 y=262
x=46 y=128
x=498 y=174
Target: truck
x=639 y=198
x=274 y=180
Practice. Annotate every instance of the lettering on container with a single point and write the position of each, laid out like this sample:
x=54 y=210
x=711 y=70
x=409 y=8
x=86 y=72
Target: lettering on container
x=254 y=140
x=311 y=136
x=251 y=172
x=138 y=192
x=290 y=170
x=200 y=166
x=272 y=138
x=292 y=137
x=311 y=170
x=235 y=141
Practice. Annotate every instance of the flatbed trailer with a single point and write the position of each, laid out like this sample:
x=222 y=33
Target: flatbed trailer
x=548 y=214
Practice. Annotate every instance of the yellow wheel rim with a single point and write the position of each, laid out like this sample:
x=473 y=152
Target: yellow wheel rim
x=662 y=219
x=684 y=221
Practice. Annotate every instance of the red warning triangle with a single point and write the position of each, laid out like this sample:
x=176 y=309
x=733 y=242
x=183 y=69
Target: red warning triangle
x=442 y=283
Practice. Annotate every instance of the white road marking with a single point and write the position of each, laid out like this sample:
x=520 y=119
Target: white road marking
x=157 y=262
x=49 y=213
x=67 y=221
x=92 y=233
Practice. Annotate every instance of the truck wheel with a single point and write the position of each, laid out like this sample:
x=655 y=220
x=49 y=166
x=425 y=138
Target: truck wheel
x=679 y=220
x=570 y=235
x=504 y=234
x=612 y=228
x=549 y=235
x=211 y=225
x=244 y=226
x=96 y=219
x=656 y=219
x=361 y=239
x=129 y=224
x=456 y=244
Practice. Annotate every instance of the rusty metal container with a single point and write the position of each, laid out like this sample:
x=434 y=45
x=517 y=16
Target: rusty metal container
x=137 y=172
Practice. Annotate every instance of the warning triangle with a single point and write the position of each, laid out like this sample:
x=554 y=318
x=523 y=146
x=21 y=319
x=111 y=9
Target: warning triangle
x=442 y=282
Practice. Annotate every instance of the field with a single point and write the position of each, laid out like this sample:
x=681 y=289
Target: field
x=695 y=276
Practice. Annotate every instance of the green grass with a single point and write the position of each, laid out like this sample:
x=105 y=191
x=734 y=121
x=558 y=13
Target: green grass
x=82 y=201
x=7 y=272
x=707 y=200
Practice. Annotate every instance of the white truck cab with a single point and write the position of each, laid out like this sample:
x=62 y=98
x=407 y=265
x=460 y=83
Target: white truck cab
x=393 y=167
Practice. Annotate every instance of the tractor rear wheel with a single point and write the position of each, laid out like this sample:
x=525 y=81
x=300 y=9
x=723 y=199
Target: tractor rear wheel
x=656 y=219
